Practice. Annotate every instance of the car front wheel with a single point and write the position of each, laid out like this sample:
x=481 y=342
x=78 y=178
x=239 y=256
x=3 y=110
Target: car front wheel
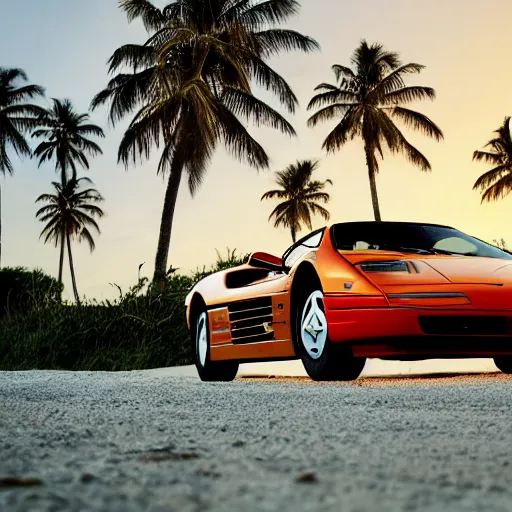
x=322 y=359
x=504 y=363
x=207 y=369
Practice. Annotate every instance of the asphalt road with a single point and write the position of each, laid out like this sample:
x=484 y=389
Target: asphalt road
x=152 y=441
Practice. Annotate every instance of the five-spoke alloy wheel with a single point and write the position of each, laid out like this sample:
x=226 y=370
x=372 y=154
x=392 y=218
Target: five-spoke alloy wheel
x=314 y=325
x=322 y=359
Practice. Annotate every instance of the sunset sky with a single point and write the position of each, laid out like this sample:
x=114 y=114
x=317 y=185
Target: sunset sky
x=465 y=45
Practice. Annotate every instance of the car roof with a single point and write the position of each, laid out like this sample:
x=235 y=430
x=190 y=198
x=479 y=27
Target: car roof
x=391 y=222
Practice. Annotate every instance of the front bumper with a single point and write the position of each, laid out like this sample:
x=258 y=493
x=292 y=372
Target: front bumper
x=431 y=332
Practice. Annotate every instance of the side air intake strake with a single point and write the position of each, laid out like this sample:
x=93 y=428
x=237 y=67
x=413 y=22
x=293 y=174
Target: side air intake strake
x=426 y=299
x=427 y=295
x=251 y=320
x=386 y=266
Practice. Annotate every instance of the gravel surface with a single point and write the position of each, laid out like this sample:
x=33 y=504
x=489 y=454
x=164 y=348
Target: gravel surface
x=151 y=441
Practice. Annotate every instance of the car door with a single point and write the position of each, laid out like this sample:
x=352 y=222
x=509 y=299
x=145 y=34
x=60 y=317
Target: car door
x=258 y=310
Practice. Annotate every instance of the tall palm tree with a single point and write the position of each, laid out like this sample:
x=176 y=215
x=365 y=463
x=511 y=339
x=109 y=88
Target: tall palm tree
x=70 y=214
x=301 y=195
x=65 y=137
x=190 y=83
x=497 y=182
x=17 y=117
x=368 y=100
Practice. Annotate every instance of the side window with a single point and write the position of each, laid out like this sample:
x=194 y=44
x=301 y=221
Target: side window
x=313 y=241
x=456 y=244
x=305 y=246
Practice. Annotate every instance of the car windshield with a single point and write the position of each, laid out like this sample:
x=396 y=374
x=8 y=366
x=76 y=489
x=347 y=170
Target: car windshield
x=411 y=237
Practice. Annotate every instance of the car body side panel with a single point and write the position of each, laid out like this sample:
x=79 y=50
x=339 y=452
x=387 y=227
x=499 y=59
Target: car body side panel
x=214 y=292
x=264 y=351
x=278 y=348
x=338 y=276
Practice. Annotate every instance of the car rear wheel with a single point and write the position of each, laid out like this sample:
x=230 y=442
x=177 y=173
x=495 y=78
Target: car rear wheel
x=322 y=359
x=207 y=369
x=504 y=363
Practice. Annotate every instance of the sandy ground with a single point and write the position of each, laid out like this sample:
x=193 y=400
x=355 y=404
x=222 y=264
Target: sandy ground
x=161 y=440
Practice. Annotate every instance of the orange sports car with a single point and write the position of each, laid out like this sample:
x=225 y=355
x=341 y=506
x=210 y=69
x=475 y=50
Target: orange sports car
x=357 y=290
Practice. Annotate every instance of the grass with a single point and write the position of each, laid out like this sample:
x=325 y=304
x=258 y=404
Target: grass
x=141 y=329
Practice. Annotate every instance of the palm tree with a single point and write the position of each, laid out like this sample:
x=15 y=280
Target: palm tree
x=497 y=182
x=301 y=196
x=69 y=214
x=65 y=134
x=17 y=116
x=368 y=99
x=192 y=80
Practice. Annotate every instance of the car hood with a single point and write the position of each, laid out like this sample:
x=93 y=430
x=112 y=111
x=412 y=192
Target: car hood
x=472 y=270
x=436 y=269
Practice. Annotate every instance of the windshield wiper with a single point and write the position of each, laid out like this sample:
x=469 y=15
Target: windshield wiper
x=416 y=250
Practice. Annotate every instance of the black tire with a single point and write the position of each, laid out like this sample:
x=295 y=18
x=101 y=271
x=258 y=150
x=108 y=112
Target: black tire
x=504 y=363
x=208 y=370
x=336 y=361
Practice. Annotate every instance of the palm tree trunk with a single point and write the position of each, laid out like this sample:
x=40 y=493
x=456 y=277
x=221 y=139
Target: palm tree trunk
x=0 y=226
x=371 y=163
x=164 y=239
x=72 y=270
x=61 y=259
x=294 y=234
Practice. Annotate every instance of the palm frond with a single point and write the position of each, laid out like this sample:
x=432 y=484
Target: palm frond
x=409 y=94
x=151 y=17
x=490 y=177
x=334 y=96
x=270 y=12
x=499 y=189
x=343 y=72
x=271 y=194
x=11 y=75
x=134 y=56
x=266 y=77
x=239 y=142
x=15 y=139
x=251 y=108
x=125 y=92
x=323 y=197
x=345 y=130
x=414 y=155
x=320 y=210
x=394 y=80
x=90 y=129
x=27 y=92
x=145 y=131
x=274 y=41
x=417 y=121
x=329 y=112
x=486 y=156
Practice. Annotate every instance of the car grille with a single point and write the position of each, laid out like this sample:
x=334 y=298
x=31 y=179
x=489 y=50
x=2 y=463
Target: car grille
x=464 y=325
x=251 y=320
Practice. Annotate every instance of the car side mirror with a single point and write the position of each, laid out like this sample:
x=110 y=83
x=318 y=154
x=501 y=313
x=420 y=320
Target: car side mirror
x=265 y=260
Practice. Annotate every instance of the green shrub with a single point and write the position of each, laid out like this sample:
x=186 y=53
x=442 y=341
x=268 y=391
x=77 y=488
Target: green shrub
x=22 y=290
x=140 y=329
